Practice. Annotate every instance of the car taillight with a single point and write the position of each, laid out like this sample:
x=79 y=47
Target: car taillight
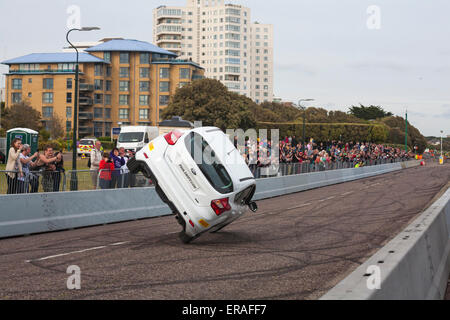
x=173 y=136
x=220 y=206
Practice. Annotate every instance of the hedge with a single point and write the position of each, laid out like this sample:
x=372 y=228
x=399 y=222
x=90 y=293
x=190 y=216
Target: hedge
x=330 y=131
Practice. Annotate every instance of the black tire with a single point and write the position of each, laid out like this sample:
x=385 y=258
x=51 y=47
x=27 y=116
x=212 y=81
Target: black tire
x=185 y=238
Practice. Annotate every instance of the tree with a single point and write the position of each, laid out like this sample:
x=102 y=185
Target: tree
x=55 y=127
x=21 y=115
x=369 y=113
x=209 y=101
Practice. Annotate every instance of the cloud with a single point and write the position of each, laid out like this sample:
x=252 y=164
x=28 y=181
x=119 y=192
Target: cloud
x=380 y=65
x=295 y=67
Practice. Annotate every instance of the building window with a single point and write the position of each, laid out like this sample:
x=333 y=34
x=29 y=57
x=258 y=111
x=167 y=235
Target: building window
x=47 y=112
x=164 y=86
x=16 y=97
x=68 y=126
x=185 y=73
x=107 y=129
x=124 y=72
x=107 y=56
x=47 y=97
x=69 y=112
x=143 y=100
x=98 y=84
x=164 y=73
x=98 y=69
x=48 y=84
x=107 y=113
x=108 y=85
x=107 y=99
x=69 y=83
x=98 y=98
x=144 y=72
x=108 y=71
x=98 y=113
x=124 y=85
x=17 y=84
x=143 y=114
x=123 y=113
x=163 y=100
x=66 y=67
x=124 y=57
x=144 y=86
x=69 y=97
x=124 y=100
x=98 y=129
x=30 y=94
x=145 y=58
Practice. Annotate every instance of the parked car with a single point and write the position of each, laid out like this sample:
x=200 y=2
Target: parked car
x=134 y=138
x=85 y=146
x=201 y=176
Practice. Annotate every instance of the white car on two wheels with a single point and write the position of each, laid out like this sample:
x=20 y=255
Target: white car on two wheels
x=201 y=176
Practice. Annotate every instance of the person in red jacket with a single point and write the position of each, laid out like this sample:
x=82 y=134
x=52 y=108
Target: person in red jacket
x=106 y=166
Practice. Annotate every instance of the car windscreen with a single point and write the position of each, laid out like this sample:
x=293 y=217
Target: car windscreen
x=208 y=163
x=127 y=137
x=86 y=142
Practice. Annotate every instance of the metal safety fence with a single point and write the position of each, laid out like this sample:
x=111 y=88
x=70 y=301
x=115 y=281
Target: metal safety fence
x=83 y=180
x=13 y=182
x=287 y=169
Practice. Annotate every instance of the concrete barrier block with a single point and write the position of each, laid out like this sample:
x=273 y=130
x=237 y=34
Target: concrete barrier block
x=415 y=264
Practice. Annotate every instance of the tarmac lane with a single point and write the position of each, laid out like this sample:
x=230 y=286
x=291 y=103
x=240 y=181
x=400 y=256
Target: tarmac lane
x=295 y=247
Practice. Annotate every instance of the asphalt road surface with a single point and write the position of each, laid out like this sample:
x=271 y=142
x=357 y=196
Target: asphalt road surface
x=296 y=247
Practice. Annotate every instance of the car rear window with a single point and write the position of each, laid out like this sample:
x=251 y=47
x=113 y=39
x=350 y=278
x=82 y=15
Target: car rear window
x=86 y=142
x=210 y=166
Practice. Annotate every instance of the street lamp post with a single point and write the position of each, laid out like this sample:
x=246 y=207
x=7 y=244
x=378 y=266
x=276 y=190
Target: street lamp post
x=442 y=155
x=73 y=177
x=304 y=120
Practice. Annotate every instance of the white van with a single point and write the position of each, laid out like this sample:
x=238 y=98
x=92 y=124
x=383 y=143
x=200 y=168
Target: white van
x=134 y=138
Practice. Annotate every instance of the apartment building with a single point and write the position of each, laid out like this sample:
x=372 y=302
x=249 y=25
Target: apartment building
x=121 y=81
x=221 y=38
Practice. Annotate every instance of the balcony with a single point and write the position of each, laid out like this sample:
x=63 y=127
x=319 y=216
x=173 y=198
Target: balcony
x=43 y=71
x=85 y=116
x=85 y=101
x=85 y=130
x=86 y=87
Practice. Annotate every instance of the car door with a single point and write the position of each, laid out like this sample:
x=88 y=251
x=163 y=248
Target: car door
x=202 y=178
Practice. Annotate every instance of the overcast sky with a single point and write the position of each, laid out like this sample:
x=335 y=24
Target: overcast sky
x=324 y=49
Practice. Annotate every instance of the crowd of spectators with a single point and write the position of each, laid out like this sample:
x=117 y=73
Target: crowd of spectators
x=317 y=156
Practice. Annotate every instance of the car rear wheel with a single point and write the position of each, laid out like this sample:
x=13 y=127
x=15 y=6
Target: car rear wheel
x=185 y=238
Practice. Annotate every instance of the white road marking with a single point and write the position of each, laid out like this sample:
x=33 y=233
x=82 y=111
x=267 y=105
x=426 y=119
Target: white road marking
x=347 y=193
x=302 y=205
x=74 y=252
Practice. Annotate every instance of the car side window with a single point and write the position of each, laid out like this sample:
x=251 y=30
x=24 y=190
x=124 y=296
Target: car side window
x=210 y=166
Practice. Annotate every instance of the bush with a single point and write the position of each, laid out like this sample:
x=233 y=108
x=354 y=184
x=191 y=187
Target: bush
x=105 y=139
x=44 y=135
x=54 y=144
x=322 y=132
x=108 y=145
